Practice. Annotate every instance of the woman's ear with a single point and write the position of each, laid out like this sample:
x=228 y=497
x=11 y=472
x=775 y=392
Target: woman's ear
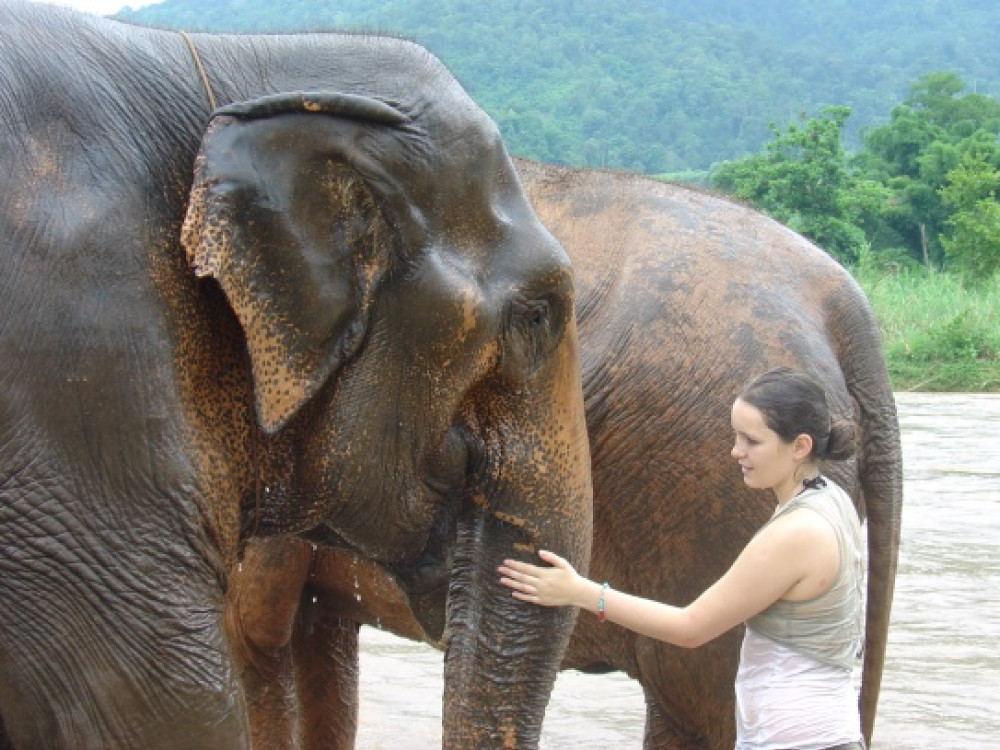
x=802 y=447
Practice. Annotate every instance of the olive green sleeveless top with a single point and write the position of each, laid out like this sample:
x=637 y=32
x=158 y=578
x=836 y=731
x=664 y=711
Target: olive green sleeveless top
x=827 y=627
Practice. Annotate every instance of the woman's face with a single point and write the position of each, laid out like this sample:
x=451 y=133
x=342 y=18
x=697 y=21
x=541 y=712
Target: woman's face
x=767 y=462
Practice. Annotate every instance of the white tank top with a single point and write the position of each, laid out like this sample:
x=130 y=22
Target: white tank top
x=785 y=699
x=794 y=687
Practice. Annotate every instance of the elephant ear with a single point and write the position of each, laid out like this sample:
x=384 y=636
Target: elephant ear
x=294 y=212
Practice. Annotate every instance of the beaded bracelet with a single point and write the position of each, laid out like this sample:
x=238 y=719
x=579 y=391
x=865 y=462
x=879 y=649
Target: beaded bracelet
x=600 y=603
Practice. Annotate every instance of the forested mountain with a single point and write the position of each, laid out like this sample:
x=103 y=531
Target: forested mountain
x=653 y=85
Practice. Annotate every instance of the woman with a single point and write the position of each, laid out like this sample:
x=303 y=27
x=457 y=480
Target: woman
x=797 y=585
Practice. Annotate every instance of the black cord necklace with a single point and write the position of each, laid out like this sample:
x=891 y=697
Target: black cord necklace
x=817 y=482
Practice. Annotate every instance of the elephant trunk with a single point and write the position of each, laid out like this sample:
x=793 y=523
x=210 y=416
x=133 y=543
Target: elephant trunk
x=501 y=655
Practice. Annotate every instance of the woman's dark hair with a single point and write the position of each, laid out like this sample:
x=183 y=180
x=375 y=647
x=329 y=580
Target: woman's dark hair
x=794 y=404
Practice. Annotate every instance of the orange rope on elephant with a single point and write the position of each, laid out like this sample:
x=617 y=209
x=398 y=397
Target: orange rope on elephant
x=201 y=69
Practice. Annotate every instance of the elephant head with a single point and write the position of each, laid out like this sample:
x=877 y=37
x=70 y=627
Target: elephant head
x=410 y=329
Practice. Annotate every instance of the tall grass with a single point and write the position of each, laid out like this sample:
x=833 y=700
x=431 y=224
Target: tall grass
x=939 y=334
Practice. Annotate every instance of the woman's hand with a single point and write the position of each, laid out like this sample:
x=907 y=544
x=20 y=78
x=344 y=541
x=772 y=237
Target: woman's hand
x=556 y=586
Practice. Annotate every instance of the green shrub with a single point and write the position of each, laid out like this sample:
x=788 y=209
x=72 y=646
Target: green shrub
x=938 y=334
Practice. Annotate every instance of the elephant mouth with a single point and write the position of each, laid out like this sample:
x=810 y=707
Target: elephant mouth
x=423 y=580
x=447 y=490
x=426 y=579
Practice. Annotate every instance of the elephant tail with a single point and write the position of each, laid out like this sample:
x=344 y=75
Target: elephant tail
x=880 y=473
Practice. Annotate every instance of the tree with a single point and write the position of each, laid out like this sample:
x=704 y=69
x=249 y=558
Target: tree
x=972 y=240
x=915 y=151
x=802 y=180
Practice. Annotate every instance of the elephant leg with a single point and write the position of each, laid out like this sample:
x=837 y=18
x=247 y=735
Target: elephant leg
x=325 y=649
x=344 y=591
x=5 y=743
x=261 y=608
x=663 y=733
x=686 y=692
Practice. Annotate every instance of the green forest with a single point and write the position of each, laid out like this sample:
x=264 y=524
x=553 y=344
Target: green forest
x=913 y=214
x=872 y=129
x=653 y=86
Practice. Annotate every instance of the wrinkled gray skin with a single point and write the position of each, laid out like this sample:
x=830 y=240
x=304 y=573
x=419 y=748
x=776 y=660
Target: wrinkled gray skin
x=682 y=298
x=332 y=310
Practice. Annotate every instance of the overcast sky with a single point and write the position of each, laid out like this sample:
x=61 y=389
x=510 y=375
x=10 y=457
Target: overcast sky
x=100 y=7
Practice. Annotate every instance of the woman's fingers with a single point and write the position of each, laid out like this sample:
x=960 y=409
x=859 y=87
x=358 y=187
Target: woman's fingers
x=533 y=583
x=516 y=583
x=520 y=586
x=515 y=578
x=520 y=570
x=552 y=558
x=556 y=562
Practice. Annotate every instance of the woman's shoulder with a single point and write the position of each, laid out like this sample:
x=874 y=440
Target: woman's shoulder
x=798 y=537
x=802 y=524
x=829 y=504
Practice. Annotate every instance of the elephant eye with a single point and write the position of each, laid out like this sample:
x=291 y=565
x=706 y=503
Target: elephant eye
x=533 y=330
x=537 y=315
x=534 y=320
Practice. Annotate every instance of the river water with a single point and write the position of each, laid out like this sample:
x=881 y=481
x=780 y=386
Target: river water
x=942 y=677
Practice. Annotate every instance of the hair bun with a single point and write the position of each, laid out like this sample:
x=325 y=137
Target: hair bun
x=843 y=440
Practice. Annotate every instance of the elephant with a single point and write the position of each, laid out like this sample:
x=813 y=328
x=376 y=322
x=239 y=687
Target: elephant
x=258 y=286
x=682 y=297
